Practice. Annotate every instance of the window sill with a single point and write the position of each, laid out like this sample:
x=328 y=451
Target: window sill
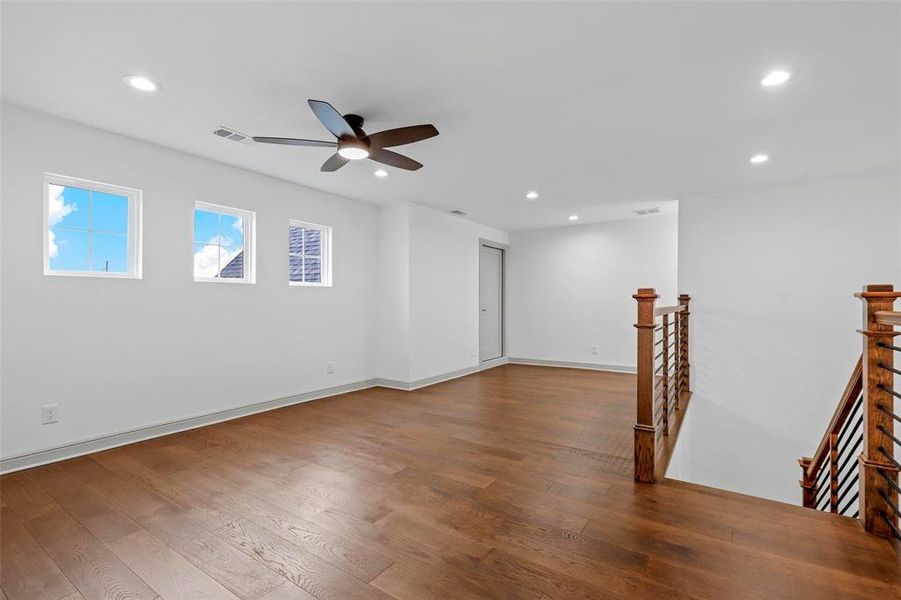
x=223 y=280
x=95 y=274
x=308 y=284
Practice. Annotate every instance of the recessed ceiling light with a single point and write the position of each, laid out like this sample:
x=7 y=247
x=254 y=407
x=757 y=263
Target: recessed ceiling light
x=139 y=82
x=573 y=217
x=381 y=173
x=759 y=159
x=775 y=78
x=533 y=195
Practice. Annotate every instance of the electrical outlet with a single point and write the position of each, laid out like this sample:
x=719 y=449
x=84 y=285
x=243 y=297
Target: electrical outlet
x=594 y=350
x=50 y=414
x=329 y=367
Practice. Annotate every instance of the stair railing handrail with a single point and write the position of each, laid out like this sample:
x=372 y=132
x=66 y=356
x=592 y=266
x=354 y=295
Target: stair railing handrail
x=663 y=381
x=827 y=450
x=864 y=421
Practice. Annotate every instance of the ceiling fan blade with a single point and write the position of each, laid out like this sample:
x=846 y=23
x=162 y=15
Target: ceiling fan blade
x=332 y=119
x=394 y=159
x=335 y=162
x=294 y=142
x=401 y=136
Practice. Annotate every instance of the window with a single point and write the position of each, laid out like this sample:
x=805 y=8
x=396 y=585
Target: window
x=91 y=229
x=223 y=243
x=309 y=254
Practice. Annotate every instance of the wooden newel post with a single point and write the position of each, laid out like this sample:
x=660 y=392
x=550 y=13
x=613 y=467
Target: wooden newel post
x=685 y=375
x=645 y=431
x=874 y=489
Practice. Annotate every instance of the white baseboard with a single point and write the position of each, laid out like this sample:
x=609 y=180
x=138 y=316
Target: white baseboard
x=427 y=381
x=105 y=442
x=540 y=362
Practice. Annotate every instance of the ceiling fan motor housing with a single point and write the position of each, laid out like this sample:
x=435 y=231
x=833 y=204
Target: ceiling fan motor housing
x=356 y=123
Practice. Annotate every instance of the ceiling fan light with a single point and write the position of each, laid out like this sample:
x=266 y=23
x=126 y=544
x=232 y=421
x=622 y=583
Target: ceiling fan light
x=353 y=152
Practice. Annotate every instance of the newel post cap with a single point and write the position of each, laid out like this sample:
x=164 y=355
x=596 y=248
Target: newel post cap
x=646 y=294
x=878 y=290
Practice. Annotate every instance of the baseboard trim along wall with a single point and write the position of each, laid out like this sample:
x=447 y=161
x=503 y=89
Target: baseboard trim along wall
x=421 y=383
x=58 y=453
x=80 y=448
x=540 y=362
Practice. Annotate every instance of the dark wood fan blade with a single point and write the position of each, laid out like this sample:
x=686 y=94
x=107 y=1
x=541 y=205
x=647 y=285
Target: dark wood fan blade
x=294 y=142
x=332 y=119
x=394 y=159
x=401 y=136
x=335 y=162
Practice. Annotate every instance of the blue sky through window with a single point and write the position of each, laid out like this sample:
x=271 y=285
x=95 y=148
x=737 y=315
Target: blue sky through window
x=88 y=230
x=218 y=240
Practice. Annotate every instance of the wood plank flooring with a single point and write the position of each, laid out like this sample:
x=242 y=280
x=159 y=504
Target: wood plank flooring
x=511 y=483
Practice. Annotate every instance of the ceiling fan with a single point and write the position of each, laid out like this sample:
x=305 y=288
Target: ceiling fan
x=353 y=143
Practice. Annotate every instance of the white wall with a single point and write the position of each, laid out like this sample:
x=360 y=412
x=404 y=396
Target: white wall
x=122 y=354
x=772 y=274
x=444 y=291
x=570 y=288
x=391 y=346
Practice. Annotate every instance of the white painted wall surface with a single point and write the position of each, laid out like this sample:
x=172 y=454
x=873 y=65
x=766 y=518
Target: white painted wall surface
x=121 y=354
x=390 y=349
x=444 y=291
x=570 y=288
x=772 y=274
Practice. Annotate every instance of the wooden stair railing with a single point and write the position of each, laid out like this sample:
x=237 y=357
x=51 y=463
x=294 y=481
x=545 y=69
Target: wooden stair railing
x=863 y=426
x=663 y=381
x=830 y=477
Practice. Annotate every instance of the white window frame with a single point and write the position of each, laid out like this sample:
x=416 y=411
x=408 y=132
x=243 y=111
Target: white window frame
x=325 y=256
x=250 y=222
x=133 y=235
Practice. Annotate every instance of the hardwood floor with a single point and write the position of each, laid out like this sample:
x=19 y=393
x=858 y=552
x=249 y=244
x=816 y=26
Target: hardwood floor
x=512 y=483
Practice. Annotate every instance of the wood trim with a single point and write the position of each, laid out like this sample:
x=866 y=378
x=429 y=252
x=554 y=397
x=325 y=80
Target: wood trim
x=842 y=411
x=684 y=342
x=645 y=440
x=875 y=494
x=665 y=310
x=888 y=317
x=654 y=441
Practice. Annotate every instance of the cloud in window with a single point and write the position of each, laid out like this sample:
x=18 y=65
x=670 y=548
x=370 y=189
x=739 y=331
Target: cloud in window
x=207 y=259
x=57 y=210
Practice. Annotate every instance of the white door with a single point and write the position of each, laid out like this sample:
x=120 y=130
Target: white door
x=491 y=303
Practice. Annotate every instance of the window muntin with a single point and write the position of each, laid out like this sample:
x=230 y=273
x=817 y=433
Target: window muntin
x=91 y=229
x=309 y=254
x=223 y=249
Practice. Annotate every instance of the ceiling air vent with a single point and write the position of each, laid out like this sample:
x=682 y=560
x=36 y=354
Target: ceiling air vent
x=231 y=134
x=459 y=213
x=647 y=211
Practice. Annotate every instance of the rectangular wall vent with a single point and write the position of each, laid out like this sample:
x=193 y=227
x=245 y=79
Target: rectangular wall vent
x=647 y=211
x=457 y=212
x=231 y=134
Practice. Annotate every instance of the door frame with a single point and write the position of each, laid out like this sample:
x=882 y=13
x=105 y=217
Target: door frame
x=504 y=248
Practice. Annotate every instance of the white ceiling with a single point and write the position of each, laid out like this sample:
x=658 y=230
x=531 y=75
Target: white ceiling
x=601 y=107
